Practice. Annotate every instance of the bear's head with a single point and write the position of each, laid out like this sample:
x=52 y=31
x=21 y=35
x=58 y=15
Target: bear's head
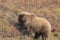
x=25 y=18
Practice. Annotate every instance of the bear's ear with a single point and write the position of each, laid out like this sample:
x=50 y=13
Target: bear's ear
x=32 y=16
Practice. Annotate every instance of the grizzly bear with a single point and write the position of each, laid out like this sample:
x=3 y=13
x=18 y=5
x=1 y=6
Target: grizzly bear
x=38 y=26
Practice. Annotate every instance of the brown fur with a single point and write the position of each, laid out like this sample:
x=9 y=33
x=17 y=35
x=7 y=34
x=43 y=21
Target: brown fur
x=39 y=26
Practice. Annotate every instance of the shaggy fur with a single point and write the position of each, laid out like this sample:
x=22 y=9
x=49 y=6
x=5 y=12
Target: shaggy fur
x=38 y=26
